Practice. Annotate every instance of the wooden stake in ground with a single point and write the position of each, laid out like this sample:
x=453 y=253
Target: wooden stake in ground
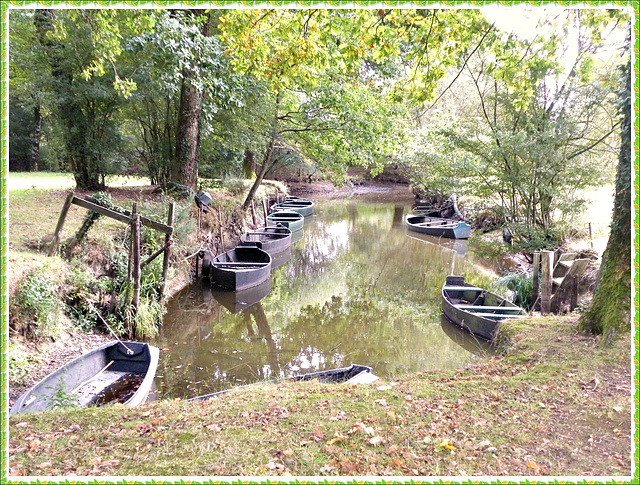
x=135 y=243
x=547 y=282
x=536 y=280
x=265 y=209
x=220 y=230
x=168 y=239
x=61 y=219
x=253 y=212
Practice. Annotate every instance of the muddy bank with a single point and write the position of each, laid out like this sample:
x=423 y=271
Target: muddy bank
x=370 y=190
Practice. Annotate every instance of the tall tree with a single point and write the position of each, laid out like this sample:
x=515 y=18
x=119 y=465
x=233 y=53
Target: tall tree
x=82 y=47
x=293 y=50
x=609 y=313
x=540 y=132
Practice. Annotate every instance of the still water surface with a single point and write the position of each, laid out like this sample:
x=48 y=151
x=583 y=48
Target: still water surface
x=357 y=288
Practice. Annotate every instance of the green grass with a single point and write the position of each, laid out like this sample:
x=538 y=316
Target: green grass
x=555 y=404
x=59 y=180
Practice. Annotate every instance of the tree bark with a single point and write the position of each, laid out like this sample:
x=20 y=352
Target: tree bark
x=609 y=313
x=36 y=134
x=185 y=163
x=184 y=169
x=249 y=165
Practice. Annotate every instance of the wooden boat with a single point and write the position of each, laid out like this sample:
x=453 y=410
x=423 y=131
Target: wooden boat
x=273 y=239
x=436 y=226
x=119 y=372
x=288 y=218
x=354 y=374
x=303 y=207
x=474 y=309
x=243 y=267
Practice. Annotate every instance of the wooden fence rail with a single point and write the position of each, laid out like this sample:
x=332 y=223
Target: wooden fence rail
x=135 y=221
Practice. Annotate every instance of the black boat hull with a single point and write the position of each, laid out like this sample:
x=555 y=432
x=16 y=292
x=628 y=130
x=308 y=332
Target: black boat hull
x=241 y=268
x=476 y=310
x=435 y=226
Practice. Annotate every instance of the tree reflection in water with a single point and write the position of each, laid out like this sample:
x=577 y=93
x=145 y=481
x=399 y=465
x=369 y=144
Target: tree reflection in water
x=357 y=289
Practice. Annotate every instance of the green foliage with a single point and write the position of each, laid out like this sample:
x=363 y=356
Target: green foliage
x=529 y=239
x=60 y=399
x=520 y=283
x=37 y=304
x=21 y=364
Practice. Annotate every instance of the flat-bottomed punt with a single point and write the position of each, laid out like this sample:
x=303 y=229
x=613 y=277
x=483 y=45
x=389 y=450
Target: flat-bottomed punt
x=304 y=207
x=117 y=372
x=291 y=219
x=354 y=374
x=273 y=239
x=476 y=310
x=436 y=226
x=243 y=267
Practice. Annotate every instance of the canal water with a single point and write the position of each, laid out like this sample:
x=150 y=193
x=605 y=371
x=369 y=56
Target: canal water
x=357 y=287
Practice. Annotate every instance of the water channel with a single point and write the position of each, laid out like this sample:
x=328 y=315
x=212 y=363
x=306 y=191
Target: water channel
x=357 y=288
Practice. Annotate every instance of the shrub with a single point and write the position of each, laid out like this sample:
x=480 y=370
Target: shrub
x=36 y=305
x=20 y=364
x=519 y=283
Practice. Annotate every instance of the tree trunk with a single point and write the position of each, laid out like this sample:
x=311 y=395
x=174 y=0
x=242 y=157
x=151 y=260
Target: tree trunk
x=184 y=169
x=258 y=181
x=36 y=134
x=268 y=157
x=249 y=165
x=610 y=311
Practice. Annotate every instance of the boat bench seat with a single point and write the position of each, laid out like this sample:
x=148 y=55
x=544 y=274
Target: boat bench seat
x=462 y=288
x=496 y=315
x=489 y=308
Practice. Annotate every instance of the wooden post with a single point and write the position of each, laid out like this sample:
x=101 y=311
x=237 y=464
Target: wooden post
x=265 y=209
x=547 y=282
x=573 y=292
x=591 y=235
x=61 y=219
x=167 y=247
x=536 y=280
x=220 y=229
x=135 y=245
x=253 y=212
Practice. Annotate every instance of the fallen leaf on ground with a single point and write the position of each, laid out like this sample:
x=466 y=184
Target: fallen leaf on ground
x=337 y=438
x=376 y=440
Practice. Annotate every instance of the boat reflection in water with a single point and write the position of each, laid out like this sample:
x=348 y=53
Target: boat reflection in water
x=466 y=340
x=460 y=246
x=236 y=301
x=278 y=259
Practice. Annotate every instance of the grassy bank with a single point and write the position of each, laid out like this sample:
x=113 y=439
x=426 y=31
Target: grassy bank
x=554 y=404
